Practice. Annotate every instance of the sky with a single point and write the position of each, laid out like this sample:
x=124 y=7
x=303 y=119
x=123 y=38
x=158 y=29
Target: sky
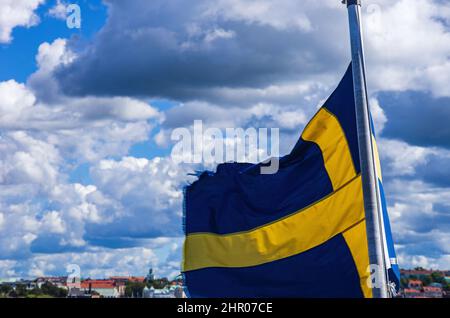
x=86 y=174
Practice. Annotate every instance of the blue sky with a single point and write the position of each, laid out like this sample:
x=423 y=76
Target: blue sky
x=18 y=57
x=86 y=116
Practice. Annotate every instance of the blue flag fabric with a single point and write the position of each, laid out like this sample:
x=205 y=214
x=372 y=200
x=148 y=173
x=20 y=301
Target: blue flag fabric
x=297 y=233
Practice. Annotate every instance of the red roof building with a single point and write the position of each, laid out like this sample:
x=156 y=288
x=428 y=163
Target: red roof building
x=125 y=279
x=412 y=293
x=94 y=284
x=432 y=292
x=107 y=288
x=415 y=284
x=419 y=273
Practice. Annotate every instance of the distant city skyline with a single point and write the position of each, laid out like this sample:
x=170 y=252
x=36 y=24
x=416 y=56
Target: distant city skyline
x=86 y=175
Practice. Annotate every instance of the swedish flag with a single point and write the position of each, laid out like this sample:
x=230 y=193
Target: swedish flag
x=298 y=233
x=393 y=271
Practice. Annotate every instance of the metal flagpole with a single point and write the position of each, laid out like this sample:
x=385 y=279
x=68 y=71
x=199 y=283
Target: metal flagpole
x=369 y=178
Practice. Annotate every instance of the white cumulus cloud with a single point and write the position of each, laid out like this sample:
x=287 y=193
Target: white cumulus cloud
x=16 y=13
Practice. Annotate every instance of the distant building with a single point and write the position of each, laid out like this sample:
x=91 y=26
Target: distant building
x=412 y=293
x=148 y=292
x=107 y=288
x=432 y=292
x=157 y=293
x=174 y=291
x=29 y=284
x=126 y=279
x=75 y=292
x=38 y=282
x=60 y=282
x=163 y=293
x=415 y=284
x=150 y=276
x=417 y=290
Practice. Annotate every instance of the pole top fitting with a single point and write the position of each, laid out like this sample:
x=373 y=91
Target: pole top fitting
x=351 y=2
